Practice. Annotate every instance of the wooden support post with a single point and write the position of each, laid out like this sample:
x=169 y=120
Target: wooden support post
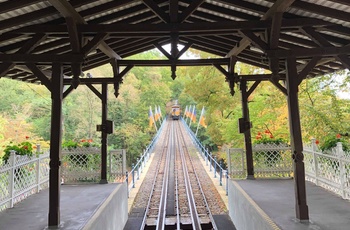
x=301 y=208
x=55 y=145
x=247 y=134
x=104 y=135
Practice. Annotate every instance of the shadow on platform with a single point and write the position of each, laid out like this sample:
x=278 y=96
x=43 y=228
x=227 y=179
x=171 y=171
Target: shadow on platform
x=270 y=204
x=82 y=207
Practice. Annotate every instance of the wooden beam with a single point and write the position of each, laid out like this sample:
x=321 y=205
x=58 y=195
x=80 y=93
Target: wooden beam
x=316 y=37
x=163 y=51
x=184 y=49
x=94 y=90
x=156 y=10
x=279 y=86
x=190 y=9
x=93 y=43
x=40 y=75
x=66 y=9
x=301 y=208
x=184 y=62
x=41 y=58
x=222 y=70
x=74 y=35
x=225 y=27
x=173 y=10
x=254 y=39
x=344 y=60
x=275 y=30
x=68 y=91
x=26 y=48
x=278 y=6
x=309 y=52
x=306 y=70
x=253 y=87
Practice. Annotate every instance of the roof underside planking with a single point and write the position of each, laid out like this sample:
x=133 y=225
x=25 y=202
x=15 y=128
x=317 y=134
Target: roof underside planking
x=84 y=34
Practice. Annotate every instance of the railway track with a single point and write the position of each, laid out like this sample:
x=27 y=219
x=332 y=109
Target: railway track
x=176 y=200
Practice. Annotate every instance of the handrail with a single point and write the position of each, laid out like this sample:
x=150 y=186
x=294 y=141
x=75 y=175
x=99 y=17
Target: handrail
x=208 y=157
x=141 y=161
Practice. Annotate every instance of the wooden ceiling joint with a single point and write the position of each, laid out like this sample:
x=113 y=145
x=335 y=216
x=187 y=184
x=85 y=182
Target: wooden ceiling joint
x=156 y=10
x=40 y=75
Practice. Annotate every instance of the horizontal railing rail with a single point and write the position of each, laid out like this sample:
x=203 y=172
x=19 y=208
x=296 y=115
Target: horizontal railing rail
x=137 y=168
x=216 y=167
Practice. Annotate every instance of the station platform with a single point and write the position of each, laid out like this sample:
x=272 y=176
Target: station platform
x=272 y=201
x=82 y=207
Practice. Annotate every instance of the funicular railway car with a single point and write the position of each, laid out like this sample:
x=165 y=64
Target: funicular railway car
x=175 y=112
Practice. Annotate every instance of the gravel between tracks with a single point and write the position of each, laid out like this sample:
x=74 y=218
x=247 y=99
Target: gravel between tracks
x=214 y=199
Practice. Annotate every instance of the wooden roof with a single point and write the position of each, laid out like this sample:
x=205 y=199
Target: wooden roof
x=85 y=34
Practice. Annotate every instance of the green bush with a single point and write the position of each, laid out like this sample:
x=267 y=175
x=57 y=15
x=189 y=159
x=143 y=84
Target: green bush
x=332 y=140
x=24 y=148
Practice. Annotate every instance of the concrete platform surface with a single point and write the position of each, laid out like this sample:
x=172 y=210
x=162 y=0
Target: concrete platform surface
x=78 y=204
x=276 y=198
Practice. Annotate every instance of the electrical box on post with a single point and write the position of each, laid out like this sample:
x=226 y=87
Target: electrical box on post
x=108 y=127
x=244 y=125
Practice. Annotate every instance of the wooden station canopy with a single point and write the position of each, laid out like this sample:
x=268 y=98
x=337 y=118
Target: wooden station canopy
x=84 y=34
x=53 y=42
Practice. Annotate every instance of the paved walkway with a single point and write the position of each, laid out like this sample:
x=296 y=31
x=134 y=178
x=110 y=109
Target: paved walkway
x=78 y=204
x=327 y=211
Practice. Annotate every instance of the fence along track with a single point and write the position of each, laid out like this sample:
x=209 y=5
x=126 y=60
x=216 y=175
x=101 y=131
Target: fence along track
x=190 y=209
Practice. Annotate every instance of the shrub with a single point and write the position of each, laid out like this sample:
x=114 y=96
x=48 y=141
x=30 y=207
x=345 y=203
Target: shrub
x=332 y=140
x=24 y=148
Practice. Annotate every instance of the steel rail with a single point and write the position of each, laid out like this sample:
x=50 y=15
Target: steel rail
x=163 y=200
x=192 y=204
x=164 y=149
x=197 y=179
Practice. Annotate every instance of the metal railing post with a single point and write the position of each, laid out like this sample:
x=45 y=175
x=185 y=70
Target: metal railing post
x=133 y=175
x=220 y=173
x=138 y=168
x=210 y=161
x=226 y=182
x=127 y=183
x=206 y=157
x=215 y=164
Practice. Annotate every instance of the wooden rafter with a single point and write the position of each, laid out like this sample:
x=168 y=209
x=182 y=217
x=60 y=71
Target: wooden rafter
x=66 y=9
x=173 y=10
x=156 y=10
x=190 y=28
x=25 y=49
x=278 y=6
x=190 y=9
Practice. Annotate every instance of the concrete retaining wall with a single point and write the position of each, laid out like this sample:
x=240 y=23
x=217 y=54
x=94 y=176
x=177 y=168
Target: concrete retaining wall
x=113 y=213
x=244 y=212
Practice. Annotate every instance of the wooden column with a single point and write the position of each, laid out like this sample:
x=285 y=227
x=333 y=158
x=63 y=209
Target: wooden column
x=55 y=145
x=247 y=134
x=301 y=208
x=104 y=135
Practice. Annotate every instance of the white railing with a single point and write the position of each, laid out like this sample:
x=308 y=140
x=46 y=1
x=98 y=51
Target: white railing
x=83 y=165
x=270 y=161
x=329 y=169
x=21 y=177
